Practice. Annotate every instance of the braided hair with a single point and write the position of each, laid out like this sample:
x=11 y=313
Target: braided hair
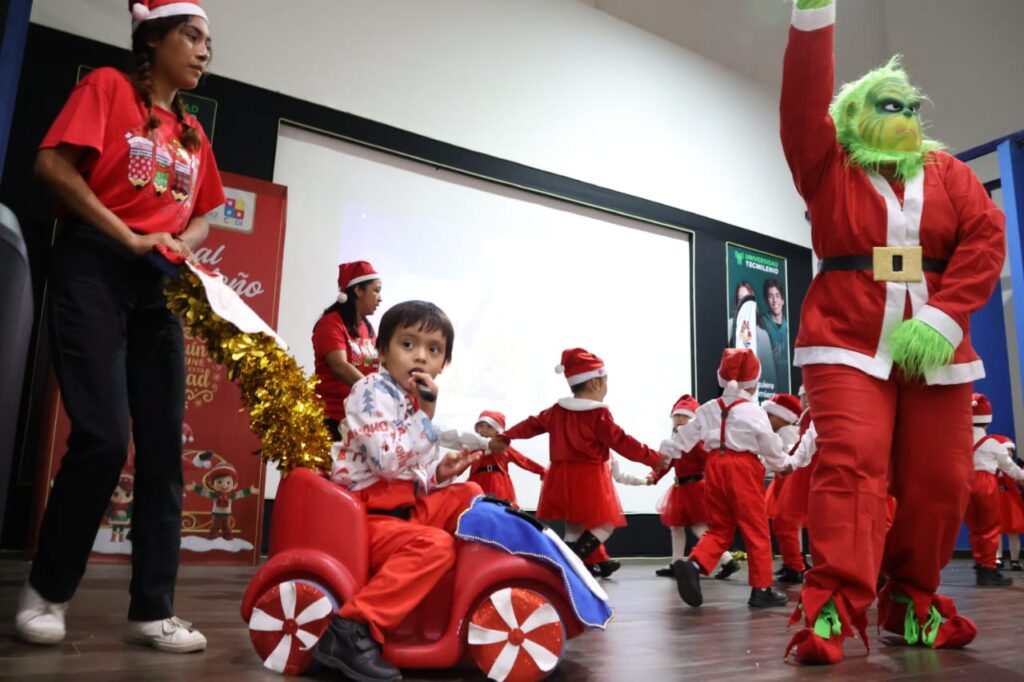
x=140 y=75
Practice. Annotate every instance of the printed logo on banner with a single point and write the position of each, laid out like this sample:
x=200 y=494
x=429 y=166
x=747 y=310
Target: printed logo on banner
x=237 y=212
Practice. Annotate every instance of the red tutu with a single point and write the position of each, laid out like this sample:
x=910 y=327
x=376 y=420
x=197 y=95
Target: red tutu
x=683 y=505
x=580 y=492
x=1011 y=505
x=792 y=503
x=771 y=496
x=496 y=483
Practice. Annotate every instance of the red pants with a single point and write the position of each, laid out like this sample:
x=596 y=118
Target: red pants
x=984 y=517
x=407 y=558
x=598 y=556
x=734 y=496
x=787 y=534
x=873 y=434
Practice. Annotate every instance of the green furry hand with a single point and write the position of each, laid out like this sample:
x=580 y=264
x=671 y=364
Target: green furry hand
x=917 y=348
x=813 y=4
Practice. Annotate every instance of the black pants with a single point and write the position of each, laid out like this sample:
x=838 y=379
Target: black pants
x=119 y=359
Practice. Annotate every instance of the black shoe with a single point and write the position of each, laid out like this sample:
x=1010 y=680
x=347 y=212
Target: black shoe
x=727 y=569
x=789 y=576
x=585 y=545
x=665 y=572
x=594 y=570
x=764 y=597
x=606 y=568
x=347 y=646
x=991 y=577
x=1015 y=566
x=688 y=581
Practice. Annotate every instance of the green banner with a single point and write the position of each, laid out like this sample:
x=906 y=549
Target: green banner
x=759 y=314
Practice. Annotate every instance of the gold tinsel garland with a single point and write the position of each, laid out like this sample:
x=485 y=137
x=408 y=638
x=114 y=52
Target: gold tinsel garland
x=284 y=409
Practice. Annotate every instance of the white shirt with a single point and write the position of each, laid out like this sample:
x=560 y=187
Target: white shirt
x=623 y=477
x=807 y=448
x=747 y=430
x=992 y=455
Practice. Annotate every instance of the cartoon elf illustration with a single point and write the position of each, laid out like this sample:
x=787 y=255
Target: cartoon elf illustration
x=220 y=484
x=119 y=511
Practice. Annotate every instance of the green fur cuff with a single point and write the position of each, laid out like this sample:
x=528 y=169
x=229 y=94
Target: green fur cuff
x=917 y=348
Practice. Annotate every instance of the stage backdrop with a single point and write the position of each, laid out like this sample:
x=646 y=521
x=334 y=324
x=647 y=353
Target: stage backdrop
x=758 y=314
x=245 y=246
x=521 y=276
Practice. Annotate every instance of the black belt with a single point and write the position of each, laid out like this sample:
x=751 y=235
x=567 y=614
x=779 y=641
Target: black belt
x=488 y=468
x=689 y=479
x=403 y=513
x=838 y=263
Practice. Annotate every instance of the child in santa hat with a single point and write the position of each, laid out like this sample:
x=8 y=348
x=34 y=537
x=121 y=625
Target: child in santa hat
x=578 y=487
x=1012 y=506
x=390 y=460
x=682 y=506
x=220 y=484
x=734 y=431
x=983 y=513
x=490 y=472
x=787 y=499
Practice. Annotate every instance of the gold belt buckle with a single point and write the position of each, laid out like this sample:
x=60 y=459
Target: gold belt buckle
x=897 y=263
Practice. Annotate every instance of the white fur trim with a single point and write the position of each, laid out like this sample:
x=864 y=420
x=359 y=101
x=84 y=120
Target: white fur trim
x=942 y=323
x=492 y=422
x=960 y=373
x=559 y=369
x=686 y=413
x=981 y=419
x=585 y=376
x=581 y=404
x=880 y=366
x=141 y=12
x=801 y=392
x=813 y=19
x=741 y=384
x=342 y=297
x=362 y=278
x=772 y=407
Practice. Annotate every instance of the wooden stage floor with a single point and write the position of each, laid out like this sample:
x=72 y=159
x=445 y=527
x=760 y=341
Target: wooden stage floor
x=654 y=636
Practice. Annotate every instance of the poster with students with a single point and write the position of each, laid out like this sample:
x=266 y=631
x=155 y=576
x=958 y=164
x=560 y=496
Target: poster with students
x=758 y=315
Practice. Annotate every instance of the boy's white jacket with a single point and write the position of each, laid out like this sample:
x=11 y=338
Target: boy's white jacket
x=387 y=439
x=747 y=430
x=991 y=455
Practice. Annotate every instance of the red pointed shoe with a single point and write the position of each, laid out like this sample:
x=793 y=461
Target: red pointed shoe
x=814 y=650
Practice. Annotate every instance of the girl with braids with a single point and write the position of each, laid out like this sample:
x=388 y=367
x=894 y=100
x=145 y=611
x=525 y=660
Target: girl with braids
x=132 y=172
x=344 y=342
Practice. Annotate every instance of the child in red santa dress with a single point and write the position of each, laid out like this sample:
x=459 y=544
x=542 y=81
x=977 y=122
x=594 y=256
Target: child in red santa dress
x=1012 y=506
x=682 y=506
x=788 y=506
x=578 y=487
x=734 y=431
x=984 y=513
x=490 y=472
x=390 y=460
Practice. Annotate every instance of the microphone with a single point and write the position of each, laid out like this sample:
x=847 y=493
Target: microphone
x=425 y=393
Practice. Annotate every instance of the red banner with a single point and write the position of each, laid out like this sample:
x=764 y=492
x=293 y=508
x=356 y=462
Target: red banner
x=222 y=515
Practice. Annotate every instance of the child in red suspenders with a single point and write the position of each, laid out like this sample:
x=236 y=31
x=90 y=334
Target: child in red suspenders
x=734 y=431
x=1012 y=506
x=788 y=509
x=682 y=506
x=983 y=515
x=578 y=487
x=490 y=472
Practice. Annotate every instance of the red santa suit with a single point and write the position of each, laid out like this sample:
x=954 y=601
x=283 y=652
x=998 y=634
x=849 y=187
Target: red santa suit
x=864 y=411
x=490 y=472
x=682 y=505
x=389 y=459
x=984 y=510
x=791 y=501
x=734 y=488
x=1011 y=503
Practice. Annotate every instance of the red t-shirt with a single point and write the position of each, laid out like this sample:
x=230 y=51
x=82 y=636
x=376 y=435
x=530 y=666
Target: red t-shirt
x=149 y=180
x=330 y=335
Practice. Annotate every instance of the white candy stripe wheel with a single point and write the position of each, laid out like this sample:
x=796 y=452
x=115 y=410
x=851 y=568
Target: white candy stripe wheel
x=516 y=635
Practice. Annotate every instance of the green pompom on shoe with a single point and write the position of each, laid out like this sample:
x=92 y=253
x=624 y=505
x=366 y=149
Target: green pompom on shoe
x=917 y=348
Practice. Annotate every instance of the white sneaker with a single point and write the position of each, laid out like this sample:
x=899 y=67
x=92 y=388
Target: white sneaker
x=39 y=621
x=170 y=634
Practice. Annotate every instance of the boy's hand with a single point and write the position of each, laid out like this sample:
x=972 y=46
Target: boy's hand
x=254 y=490
x=454 y=463
x=421 y=385
x=650 y=479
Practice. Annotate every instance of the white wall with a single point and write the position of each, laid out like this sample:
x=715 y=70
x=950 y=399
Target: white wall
x=553 y=84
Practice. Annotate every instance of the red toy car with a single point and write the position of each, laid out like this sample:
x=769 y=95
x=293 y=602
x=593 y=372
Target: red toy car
x=508 y=614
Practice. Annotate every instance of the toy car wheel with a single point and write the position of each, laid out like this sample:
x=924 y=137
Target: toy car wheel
x=516 y=635
x=287 y=622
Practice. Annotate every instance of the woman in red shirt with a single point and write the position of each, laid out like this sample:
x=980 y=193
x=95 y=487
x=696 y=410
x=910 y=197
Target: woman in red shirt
x=131 y=171
x=344 y=342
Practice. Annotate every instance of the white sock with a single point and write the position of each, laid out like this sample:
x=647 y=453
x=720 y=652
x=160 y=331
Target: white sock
x=1014 y=541
x=573 y=531
x=678 y=542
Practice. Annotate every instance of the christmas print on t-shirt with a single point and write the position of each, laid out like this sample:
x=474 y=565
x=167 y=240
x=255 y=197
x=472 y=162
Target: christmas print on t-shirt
x=163 y=163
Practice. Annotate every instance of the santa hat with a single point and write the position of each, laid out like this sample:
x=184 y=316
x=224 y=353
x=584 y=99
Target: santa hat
x=351 y=274
x=739 y=368
x=802 y=391
x=687 y=406
x=147 y=10
x=496 y=420
x=981 y=408
x=220 y=470
x=580 y=365
x=126 y=480
x=785 y=406
x=1006 y=441
x=187 y=435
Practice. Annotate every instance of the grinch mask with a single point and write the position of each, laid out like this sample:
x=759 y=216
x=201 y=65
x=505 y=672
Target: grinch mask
x=877 y=120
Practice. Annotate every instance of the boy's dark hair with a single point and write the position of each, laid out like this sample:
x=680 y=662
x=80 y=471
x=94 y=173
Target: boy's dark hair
x=424 y=315
x=579 y=388
x=347 y=311
x=772 y=283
